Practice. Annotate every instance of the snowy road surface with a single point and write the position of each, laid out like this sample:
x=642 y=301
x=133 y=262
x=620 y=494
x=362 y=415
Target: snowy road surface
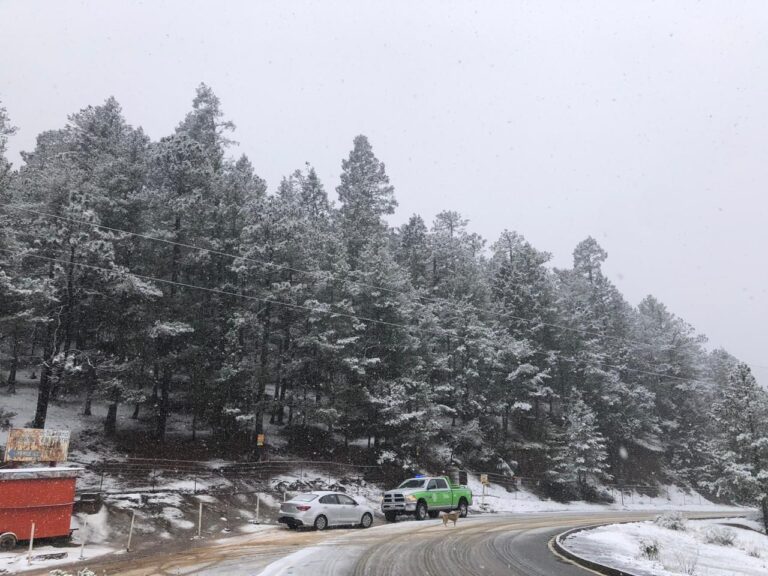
x=510 y=544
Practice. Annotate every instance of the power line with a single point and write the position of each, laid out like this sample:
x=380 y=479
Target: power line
x=312 y=272
x=201 y=248
x=315 y=272
x=206 y=289
x=306 y=308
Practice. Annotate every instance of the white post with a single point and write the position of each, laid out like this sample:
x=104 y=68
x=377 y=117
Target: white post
x=82 y=546
x=482 y=499
x=200 y=521
x=31 y=542
x=257 y=508
x=130 y=532
x=284 y=493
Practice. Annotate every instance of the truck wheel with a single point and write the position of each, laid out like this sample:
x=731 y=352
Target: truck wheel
x=463 y=508
x=321 y=522
x=434 y=513
x=421 y=510
x=390 y=516
x=366 y=521
x=7 y=542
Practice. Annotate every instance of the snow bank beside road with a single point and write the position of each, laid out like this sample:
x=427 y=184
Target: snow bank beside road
x=498 y=499
x=630 y=547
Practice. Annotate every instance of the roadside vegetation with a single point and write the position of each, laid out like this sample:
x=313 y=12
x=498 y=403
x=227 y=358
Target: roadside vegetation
x=166 y=277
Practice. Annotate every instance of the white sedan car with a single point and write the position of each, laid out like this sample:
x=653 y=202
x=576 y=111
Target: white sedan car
x=323 y=509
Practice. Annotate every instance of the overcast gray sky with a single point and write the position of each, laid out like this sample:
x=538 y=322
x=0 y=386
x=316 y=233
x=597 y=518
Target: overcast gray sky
x=643 y=124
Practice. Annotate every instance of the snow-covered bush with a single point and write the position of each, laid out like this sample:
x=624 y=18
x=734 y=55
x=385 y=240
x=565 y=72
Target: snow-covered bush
x=684 y=563
x=671 y=521
x=649 y=549
x=719 y=535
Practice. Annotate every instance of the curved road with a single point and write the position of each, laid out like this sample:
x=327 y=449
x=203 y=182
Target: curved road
x=488 y=545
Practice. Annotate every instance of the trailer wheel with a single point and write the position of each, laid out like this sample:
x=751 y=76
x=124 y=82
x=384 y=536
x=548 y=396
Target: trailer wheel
x=7 y=542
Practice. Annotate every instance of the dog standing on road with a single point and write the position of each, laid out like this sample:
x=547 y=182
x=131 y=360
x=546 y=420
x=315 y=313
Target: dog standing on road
x=448 y=516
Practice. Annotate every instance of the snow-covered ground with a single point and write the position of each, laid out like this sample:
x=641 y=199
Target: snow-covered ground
x=167 y=509
x=648 y=549
x=499 y=499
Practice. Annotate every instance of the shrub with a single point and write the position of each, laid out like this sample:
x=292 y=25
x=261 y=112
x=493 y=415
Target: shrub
x=684 y=563
x=720 y=535
x=671 y=521
x=592 y=493
x=649 y=549
x=753 y=550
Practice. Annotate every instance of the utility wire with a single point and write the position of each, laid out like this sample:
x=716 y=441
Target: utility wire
x=307 y=308
x=316 y=272
x=206 y=289
x=312 y=272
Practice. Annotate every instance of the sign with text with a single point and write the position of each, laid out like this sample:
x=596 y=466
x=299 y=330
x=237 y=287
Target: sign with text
x=260 y=440
x=484 y=479
x=35 y=445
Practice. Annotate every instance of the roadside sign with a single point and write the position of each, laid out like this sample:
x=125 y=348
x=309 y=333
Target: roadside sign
x=260 y=440
x=484 y=479
x=35 y=445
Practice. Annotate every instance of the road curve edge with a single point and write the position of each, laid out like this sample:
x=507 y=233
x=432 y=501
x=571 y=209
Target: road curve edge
x=559 y=549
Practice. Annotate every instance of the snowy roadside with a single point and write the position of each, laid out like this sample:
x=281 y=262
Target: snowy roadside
x=705 y=547
x=499 y=499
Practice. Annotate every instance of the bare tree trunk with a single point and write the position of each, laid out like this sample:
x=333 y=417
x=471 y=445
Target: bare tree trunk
x=89 y=391
x=66 y=326
x=262 y=382
x=110 y=423
x=14 y=362
x=44 y=388
x=764 y=506
x=164 y=405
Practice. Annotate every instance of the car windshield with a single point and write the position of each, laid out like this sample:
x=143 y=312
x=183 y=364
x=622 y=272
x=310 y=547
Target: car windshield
x=413 y=483
x=304 y=497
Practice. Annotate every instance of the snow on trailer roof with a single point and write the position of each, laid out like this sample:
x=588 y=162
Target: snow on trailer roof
x=38 y=473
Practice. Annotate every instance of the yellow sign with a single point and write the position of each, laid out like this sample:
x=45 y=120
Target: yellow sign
x=260 y=440
x=35 y=445
x=484 y=479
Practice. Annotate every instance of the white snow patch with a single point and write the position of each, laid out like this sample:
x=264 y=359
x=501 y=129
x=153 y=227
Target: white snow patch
x=499 y=499
x=619 y=546
x=15 y=562
x=176 y=518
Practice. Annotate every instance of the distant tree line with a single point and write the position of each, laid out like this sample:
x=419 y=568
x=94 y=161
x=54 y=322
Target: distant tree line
x=163 y=275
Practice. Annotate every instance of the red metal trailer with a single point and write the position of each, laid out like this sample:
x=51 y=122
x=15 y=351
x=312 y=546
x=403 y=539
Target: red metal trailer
x=41 y=495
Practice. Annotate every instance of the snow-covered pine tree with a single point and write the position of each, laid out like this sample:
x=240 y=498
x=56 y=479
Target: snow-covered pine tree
x=365 y=195
x=584 y=457
x=741 y=413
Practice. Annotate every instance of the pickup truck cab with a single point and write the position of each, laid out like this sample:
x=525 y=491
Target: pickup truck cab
x=425 y=496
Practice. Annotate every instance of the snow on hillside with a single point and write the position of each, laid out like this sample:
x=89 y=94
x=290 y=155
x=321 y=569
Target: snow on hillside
x=498 y=499
x=647 y=549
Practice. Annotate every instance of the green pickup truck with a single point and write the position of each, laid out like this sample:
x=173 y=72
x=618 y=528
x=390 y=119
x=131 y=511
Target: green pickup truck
x=425 y=496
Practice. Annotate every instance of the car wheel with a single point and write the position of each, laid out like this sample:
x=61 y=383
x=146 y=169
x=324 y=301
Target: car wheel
x=463 y=508
x=421 y=510
x=390 y=516
x=321 y=522
x=366 y=521
x=434 y=513
x=7 y=542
